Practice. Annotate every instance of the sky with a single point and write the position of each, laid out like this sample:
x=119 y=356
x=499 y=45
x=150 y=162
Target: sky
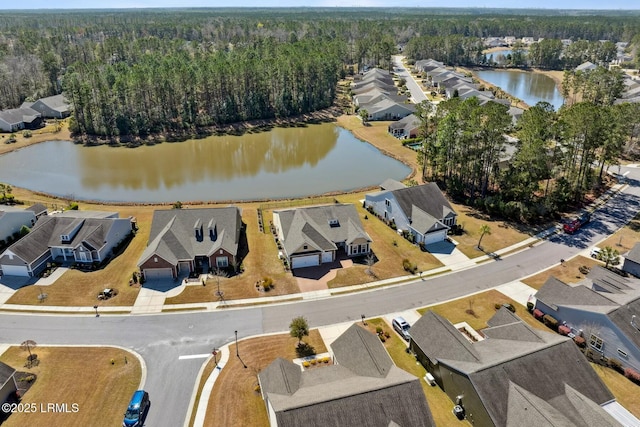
x=106 y=4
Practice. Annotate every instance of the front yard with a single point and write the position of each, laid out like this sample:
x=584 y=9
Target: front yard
x=235 y=399
x=568 y=272
x=100 y=381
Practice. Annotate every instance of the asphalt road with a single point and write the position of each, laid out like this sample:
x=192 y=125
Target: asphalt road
x=417 y=95
x=162 y=339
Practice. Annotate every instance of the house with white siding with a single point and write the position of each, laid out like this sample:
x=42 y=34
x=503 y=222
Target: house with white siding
x=422 y=210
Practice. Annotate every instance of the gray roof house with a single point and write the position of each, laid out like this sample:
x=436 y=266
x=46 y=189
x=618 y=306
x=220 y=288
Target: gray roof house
x=388 y=109
x=586 y=66
x=20 y=118
x=406 y=127
x=184 y=241
x=38 y=210
x=12 y=219
x=55 y=106
x=631 y=262
x=515 y=373
x=604 y=309
x=7 y=382
x=421 y=210
x=75 y=236
x=312 y=236
x=362 y=388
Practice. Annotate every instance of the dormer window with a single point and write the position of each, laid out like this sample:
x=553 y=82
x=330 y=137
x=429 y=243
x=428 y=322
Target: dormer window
x=65 y=238
x=334 y=223
x=305 y=247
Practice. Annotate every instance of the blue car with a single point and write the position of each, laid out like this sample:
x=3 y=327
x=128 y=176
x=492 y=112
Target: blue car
x=136 y=412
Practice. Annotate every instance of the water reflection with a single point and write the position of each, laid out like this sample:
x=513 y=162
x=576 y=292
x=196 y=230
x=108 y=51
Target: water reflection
x=285 y=162
x=527 y=86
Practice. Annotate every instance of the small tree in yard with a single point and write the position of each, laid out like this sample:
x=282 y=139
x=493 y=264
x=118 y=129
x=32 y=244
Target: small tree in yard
x=609 y=256
x=484 y=229
x=364 y=115
x=299 y=328
x=370 y=260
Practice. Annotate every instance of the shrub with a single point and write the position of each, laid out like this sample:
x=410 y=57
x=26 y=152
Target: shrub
x=378 y=330
x=27 y=133
x=530 y=307
x=313 y=361
x=267 y=283
x=408 y=266
x=306 y=364
x=632 y=374
x=326 y=359
x=616 y=365
x=550 y=321
x=382 y=338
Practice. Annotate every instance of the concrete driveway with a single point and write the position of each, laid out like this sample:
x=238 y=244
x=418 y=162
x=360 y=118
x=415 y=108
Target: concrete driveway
x=317 y=278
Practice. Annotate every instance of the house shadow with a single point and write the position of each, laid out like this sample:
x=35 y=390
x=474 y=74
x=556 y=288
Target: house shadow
x=17 y=282
x=445 y=248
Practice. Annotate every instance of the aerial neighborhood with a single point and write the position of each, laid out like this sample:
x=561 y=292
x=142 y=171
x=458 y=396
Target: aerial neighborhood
x=309 y=217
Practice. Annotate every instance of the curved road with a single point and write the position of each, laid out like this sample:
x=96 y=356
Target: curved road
x=161 y=339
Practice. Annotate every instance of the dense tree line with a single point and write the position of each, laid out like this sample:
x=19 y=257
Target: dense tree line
x=559 y=156
x=179 y=91
x=102 y=56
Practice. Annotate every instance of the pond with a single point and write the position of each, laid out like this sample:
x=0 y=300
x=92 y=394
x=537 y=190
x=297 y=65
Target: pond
x=282 y=163
x=528 y=86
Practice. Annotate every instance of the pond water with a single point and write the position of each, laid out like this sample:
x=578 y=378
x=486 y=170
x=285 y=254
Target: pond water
x=528 y=86
x=281 y=163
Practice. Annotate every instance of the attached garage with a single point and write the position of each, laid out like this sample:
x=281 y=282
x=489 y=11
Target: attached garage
x=158 y=273
x=435 y=237
x=15 y=270
x=305 y=261
x=327 y=257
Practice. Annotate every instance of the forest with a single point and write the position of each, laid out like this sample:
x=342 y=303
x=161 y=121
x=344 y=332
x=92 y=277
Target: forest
x=142 y=72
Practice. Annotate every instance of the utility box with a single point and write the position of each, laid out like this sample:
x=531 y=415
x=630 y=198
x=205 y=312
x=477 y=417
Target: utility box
x=429 y=379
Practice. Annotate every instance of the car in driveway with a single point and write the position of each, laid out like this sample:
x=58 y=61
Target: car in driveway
x=402 y=327
x=595 y=253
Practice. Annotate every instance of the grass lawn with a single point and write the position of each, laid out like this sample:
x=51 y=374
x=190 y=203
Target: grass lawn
x=568 y=272
x=439 y=403
x=235 y=399
x=625 y=392
x=502 y=234
x=84 y=376
x=483 y=307
x=625 y=238
x=261 y=261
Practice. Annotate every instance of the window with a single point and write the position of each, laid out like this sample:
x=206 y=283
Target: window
x=155 y=259
x=222 y=261
x=596 y=342
x=305 y=247
x=622 y=353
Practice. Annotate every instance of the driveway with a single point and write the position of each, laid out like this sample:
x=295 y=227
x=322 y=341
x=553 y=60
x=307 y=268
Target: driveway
x=317 y=278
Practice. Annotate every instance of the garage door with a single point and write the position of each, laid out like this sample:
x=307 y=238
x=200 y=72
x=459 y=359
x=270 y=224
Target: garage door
x=15 y=270
x=327 y=256
x=158 y=273
x=436 y=237
x=304 y=261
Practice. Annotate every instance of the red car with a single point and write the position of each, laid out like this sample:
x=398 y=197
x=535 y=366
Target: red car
x=574 y=225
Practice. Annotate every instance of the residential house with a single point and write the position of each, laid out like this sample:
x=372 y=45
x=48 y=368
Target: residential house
x=421 y=210
x=73 y=236
x=54 y=107
x=388 y=109
x=512 y=373
x=586 y=66
x=184 y=241
x=12 y=220
x=8 y=384
x=510 y=40
x=17 y=119
x=362 y=388
x=407 y=127
x=528 y=41
x=38 y=210
x=631 y=262
x=312 y=236
x=604 y=309
x=424 y=65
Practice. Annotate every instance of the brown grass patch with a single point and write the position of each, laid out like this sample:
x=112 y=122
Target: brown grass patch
x=625 y=238
x=81 y=375
x=568 y=273
x=477 y=309
x=235 y=400
x=625 y=392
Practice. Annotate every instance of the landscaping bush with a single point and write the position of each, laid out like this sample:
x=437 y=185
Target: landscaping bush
x=306 y=364
x=378 y=330
x=408 y=266
x=530 y=307
x=633 y=375
x=616 y=365
x=550 y=322
x=267 y=283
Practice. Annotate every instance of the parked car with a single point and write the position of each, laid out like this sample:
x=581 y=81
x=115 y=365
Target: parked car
x=137 y=409
x=402 y=327
x=575 y=224
x=595 y=253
